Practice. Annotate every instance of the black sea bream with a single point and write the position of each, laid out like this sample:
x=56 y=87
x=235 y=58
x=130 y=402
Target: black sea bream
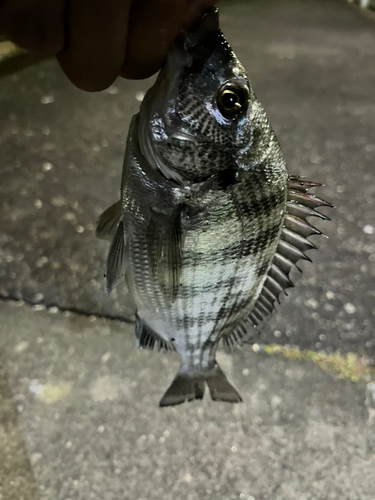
x=209 y=224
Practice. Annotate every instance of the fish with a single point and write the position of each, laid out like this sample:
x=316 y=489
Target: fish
x=209 y=224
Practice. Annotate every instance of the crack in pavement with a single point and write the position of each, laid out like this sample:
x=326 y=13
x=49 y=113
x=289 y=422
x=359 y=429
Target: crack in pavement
x=39 y=306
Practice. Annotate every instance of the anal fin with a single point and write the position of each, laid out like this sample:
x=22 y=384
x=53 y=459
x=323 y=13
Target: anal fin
x=147 y=337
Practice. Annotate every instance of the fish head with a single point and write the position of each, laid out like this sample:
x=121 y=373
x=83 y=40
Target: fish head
x=197 y=115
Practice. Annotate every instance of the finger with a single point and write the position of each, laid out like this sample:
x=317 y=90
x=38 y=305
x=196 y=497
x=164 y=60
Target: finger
x=153 y=26
x=97 y=42
x=34 y=25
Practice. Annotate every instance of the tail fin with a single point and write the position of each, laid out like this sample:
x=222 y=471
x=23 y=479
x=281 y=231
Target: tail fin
x=220 y=387
x=185 y=388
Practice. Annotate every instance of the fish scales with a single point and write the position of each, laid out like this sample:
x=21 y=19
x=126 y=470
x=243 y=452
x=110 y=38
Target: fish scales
x=204 y=200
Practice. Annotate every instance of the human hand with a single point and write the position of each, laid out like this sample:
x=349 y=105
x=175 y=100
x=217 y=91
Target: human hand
x=95 y=41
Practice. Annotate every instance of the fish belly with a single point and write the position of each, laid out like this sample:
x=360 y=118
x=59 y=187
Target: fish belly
x=226 y=254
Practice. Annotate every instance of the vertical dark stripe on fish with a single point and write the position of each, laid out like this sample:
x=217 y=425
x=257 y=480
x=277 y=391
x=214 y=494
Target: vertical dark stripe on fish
x=238 y=263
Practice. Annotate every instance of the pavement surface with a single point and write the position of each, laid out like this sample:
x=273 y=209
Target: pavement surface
x=87 y=402
x=78 y=412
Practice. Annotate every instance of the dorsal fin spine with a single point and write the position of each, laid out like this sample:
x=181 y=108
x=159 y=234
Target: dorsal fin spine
x=290 y=249
x=296 y=240
x=300 y=226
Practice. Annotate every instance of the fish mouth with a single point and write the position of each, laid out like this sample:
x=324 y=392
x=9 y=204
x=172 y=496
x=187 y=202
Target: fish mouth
x=201 y=35
x=208 y=21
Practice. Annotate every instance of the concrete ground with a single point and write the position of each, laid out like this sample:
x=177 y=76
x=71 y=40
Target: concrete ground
x=87 y=398
x=78 y=413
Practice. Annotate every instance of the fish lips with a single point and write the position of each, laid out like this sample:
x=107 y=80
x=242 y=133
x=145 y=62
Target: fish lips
x=201 y=38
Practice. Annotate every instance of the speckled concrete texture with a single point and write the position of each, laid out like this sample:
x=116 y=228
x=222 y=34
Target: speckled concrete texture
x=61 y=163
x=87 y=401
x=16 y=477
x=311 y=63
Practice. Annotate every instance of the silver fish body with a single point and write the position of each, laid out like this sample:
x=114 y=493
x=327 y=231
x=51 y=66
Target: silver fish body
x=202 y=237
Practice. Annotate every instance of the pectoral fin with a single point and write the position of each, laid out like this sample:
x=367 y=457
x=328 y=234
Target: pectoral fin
x=108 y=222
x=164 y=252
x=116 y=260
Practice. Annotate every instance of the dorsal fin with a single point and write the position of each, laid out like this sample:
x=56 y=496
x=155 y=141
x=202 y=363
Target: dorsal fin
x=291 y=247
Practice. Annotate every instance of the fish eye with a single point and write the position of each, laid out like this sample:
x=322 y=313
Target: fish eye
x=232 y=99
